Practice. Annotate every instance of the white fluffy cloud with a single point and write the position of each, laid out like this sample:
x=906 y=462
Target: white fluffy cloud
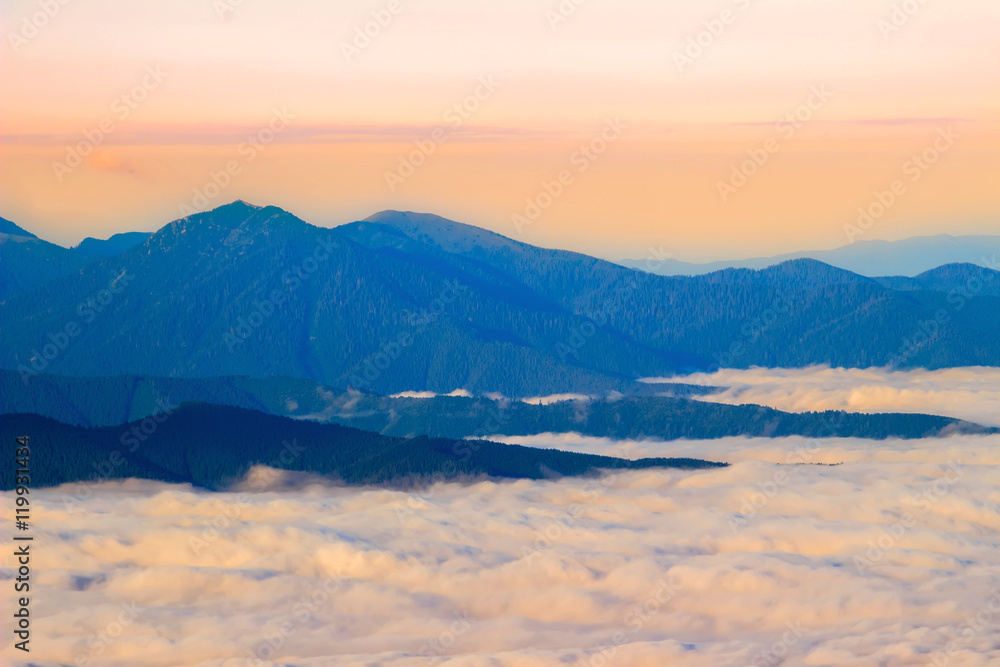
x=555 y=398
x=963 y=393
x=430 y=394
x=882 y=560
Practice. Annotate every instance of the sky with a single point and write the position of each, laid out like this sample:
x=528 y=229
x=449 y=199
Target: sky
x=698 y=130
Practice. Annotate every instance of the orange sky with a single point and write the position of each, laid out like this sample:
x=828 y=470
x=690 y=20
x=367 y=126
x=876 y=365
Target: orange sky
x=168 y=93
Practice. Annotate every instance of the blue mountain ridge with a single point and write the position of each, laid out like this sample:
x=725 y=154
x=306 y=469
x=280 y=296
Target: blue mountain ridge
x=414 y=302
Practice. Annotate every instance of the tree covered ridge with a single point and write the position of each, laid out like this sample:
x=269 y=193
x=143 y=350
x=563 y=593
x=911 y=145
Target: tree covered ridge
x=213 y=446
x=389 y=307
x=111 y=401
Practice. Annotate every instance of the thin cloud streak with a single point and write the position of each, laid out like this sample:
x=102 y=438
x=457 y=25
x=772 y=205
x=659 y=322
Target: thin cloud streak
x=221 y=135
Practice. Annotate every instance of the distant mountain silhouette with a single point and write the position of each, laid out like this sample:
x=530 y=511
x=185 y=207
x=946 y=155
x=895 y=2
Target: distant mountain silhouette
x=908 y=257
x=415 y=302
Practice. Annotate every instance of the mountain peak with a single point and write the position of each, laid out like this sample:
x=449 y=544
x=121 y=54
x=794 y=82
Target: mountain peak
x=239 y=203
x=974 y=274
x=449 y=235
x=804 y=272
x=807 y=267
x=233 y=208
x=227 y=225
x=411 y=218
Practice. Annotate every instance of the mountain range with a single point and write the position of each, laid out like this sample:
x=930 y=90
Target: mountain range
x=908 y=257
x=405 y=301
x=667 y=414
x=874 y=259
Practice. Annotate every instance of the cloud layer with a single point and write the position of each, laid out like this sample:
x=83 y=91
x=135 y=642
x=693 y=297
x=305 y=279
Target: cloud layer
x=962 y=393
x=882 y=560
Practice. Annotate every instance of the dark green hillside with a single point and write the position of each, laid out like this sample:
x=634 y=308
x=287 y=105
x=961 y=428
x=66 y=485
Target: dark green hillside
x=112 y=401
x=211 y=446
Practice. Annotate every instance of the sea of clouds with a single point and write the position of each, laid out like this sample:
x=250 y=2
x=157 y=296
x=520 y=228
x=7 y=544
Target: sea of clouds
x=890 y=558
x=971 y=393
